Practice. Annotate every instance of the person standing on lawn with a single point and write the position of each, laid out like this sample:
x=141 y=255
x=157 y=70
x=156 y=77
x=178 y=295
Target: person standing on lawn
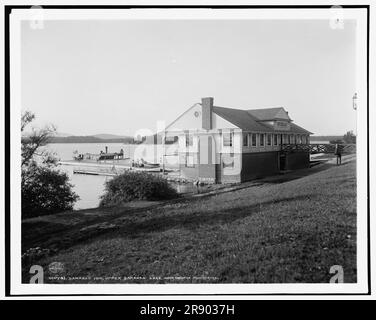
x=338 y=153
x=196 y=183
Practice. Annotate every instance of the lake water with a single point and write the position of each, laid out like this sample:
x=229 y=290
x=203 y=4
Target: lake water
x=91 y=187
x=88 y=187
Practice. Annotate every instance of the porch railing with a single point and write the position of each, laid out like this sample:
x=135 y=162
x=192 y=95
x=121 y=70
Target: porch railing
x=318 y=148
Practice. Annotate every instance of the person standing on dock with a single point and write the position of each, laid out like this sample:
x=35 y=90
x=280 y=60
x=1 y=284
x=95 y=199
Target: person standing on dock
x=338 y=153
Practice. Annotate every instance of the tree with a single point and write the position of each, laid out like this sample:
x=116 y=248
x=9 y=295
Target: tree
x=349 y=137
x=45 y=189
x=31 y=142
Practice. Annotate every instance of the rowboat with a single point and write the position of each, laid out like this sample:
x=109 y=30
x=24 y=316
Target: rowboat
x=149 y=164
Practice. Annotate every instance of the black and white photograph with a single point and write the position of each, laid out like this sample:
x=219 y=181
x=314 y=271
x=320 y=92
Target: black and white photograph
x=191 y=150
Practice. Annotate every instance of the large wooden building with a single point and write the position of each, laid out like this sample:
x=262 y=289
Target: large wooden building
x=220 y=145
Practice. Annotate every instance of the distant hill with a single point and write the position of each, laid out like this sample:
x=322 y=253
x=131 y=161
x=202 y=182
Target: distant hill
x=157 y=139
x=63 y=134
x=109 y=136
x=90 y=139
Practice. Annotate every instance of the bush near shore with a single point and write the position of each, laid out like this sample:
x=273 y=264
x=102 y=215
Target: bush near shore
x=136 y=186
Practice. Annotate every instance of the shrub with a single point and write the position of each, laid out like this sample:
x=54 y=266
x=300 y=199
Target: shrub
x=136 y=186
x=349 y=137
x=45 y=191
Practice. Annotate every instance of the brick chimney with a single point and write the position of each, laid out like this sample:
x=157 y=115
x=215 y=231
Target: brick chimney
x=207 y=112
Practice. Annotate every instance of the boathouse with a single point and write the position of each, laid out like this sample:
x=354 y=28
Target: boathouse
x=223 y=145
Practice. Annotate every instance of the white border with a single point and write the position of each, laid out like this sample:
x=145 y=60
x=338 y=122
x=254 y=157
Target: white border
x=209 y=289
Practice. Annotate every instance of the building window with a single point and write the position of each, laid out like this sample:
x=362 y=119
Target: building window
x=269 y=139
x=298 y=138
x=189 y=161
x=254 y=140
x=284 y=137
x=245 y=139
x=171 y=139
x=275 y=139
x=188 y=140
x=227 y=139
x=292 y=140
x=228 y=162
x=262 y=139
x=304 y=141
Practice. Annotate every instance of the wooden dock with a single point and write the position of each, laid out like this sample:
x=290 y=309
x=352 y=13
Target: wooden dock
x=110 y=171
x=93 y=173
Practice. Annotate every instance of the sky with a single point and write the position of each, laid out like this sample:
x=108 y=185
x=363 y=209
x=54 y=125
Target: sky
x=90 y=77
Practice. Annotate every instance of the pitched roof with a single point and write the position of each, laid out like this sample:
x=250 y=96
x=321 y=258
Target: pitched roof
x=296 y=129
x=270 y=114
x=248 y=121
x=240 y=118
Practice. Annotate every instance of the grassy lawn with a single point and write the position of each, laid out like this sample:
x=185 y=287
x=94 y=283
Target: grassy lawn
x=272 y=232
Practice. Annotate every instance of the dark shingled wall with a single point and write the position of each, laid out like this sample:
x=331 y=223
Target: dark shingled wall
x=253 y=165
x=259 y=164
x=297 y=160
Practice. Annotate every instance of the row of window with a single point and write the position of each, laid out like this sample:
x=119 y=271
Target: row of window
x=252 y=140
x=262 y=139
x=265 y=139
x=258 y=139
